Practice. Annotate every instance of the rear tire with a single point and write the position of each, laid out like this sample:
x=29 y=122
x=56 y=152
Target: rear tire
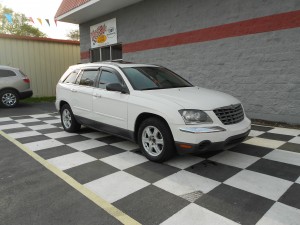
x=155 y=140
x=9 y=98
x=68 y=120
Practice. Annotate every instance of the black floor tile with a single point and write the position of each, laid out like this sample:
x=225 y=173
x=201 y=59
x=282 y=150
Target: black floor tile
x=208 y=154
x=16 y=130
x=48 y=118
x=261 y=128
x=214 y=170
x=151 y=205
x=50 y=130
x=292 y=196
x=33 y=139
x=21 y=117
x=104 y=151
x=251 y=150
x=235 y=204
x=111 y=139
x=8 y=122
x=290 y=147
x=72 y=139
x=90 y=171
x=278 y=137
x=151 y=171
x=276 y=169
x=34 y=123
x=55 y=152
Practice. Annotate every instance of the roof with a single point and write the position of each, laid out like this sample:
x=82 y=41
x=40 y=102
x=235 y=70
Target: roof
x=81 y=11
x=120 y=64
x=68 y=5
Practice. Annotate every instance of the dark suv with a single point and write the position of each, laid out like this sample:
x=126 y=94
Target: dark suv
x=14 y=85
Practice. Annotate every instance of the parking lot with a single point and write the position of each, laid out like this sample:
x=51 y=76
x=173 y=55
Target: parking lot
x=257 y=182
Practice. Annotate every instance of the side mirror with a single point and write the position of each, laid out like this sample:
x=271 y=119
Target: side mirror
x=116 y=87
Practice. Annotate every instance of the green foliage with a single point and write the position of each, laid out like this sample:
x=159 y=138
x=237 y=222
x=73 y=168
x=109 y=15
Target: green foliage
x=20 y=28
x=39 y=99
x=74 y=35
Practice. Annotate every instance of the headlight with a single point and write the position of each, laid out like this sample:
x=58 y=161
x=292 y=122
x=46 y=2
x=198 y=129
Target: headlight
x=193 y=116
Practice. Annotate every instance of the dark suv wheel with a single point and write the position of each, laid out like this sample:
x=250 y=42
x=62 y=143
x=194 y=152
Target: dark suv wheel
x=9 y=98
x=68 y=120
x=155 y=140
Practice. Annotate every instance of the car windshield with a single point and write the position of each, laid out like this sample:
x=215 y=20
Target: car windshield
x=149 y=78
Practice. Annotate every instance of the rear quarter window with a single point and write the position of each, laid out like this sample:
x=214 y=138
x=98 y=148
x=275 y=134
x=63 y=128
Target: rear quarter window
x=71 y=78
x=6 y=73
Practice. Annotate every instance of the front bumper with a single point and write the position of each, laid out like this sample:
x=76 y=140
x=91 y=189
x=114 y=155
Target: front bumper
x=206 y=145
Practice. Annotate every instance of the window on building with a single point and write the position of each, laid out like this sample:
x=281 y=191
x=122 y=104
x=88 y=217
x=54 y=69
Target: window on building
x=106 y=53
x=88 y=77
x=6 y=73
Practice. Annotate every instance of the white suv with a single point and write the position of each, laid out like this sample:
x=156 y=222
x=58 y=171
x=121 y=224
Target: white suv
x=150 y=105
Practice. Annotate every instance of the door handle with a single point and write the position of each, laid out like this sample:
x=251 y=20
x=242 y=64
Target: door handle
x=73 y=90
x=97 y=96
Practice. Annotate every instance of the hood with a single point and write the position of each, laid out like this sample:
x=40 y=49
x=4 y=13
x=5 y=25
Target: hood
x=194 y=97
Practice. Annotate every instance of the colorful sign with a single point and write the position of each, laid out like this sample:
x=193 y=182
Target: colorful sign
x=103 y=34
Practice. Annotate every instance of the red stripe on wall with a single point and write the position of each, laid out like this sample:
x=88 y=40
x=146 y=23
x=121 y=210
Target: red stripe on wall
x=258 y=25
x=85 y=55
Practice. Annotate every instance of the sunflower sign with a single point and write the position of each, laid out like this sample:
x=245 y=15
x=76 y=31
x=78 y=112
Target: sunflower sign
x=104 y=33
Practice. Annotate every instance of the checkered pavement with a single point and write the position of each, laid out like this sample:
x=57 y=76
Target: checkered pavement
x=257 y=182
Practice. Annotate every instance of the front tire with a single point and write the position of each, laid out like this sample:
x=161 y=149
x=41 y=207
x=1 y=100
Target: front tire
x=155 y=140
x=9 y=98
x=68 y=120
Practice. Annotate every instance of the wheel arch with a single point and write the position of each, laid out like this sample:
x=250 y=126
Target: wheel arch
x=143 y=116
x=11 y=88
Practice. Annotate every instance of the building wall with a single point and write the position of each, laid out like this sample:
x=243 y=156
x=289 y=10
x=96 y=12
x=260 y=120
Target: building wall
x=43 y=60
x=259 y=65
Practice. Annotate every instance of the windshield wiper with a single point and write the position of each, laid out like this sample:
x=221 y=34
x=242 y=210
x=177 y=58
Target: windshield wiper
x=150 y=88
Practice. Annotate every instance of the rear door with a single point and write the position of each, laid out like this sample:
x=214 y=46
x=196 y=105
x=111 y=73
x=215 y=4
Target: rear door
x=82 y=95
x=110 y=107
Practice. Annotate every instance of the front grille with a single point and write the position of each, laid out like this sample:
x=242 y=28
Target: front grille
x=230 y=114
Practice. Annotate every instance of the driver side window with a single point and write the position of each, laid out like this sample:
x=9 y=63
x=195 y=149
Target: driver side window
x=108 y=77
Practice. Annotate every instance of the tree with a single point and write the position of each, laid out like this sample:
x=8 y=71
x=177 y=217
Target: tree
x=74 y=35
x=20 y=25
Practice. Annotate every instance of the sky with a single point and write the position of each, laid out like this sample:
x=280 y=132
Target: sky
x=44 y=9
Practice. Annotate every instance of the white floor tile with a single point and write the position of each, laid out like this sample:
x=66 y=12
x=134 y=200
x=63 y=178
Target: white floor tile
x=52 y=121
x=116 y=186
x=5 y=119
x=42 y=127
x=39 y=145
x=94 y=135
x=184 y=182
x=197 y=215
x=255 y=133
x=88 y=144
x=298 y=180
x=284 y=156
x=263 y=142
x=280 y=214
x=11 y=126
x=295 y=140
x=61 y=134
x=234 y=159
x=184 y=161
x=126 y=145
x=24 y=134
x=124 y=160
x=260 y=184
x=286 y=131
x=71 y=160
x=40 y=115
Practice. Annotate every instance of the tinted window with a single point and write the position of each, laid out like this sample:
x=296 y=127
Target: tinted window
x=108 y=77
x=88 y=77
x=147 y=78
x=72 y=77
x=6 y=73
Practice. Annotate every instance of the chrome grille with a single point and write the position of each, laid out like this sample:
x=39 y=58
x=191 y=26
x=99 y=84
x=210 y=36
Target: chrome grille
x=230 y=114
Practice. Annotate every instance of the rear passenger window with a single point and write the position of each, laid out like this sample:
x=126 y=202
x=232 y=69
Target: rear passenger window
x=6 y=73
x=72 y=77
x=88 y=77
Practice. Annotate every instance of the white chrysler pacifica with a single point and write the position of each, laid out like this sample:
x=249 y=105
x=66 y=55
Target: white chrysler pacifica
x=150 y=105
